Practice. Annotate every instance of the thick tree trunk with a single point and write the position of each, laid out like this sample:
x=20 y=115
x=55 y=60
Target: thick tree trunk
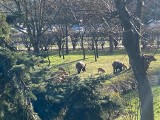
x=131 y=41
x=145 y=95
x=35 y=44
x=36 y=47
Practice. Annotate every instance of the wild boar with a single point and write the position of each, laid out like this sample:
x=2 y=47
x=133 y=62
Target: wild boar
x=118 y=66
x=80 y=66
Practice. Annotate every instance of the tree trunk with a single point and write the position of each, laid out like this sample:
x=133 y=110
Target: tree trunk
x=36 y=47
x=63 y=50
x=67 y=49
x=92 y=44
x=59 y=50
x=94 y=49
x=110 y=44
x=28 y=49
x=95 y=56
x=59 y=44
x=131 y=41
x=145 y=95
x=35 y=44
x=96 y=44
x=74 y=45
x=46 y=48
x=83 y=50
x=102 y=45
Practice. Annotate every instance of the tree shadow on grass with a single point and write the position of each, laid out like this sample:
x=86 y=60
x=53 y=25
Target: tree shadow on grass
x=66 y=64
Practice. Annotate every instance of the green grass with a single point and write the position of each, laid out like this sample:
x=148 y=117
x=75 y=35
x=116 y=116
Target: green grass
x=156 y=97
x=104 y=61
x=131 y=100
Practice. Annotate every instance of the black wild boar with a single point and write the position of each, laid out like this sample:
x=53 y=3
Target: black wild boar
x=118 y=66
x=80 y=66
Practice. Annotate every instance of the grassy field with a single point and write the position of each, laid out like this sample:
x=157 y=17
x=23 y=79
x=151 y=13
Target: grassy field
x=104 y=61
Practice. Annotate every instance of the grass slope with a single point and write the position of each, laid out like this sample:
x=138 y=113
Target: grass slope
x=104 y=61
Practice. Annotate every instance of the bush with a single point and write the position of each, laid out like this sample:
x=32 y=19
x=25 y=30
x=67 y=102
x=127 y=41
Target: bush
x=74 y=99
x=14 y=87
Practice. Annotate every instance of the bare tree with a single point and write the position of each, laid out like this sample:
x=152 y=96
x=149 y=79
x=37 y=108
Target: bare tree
x=74 y=39
x=60 y=41
x=102 y=41
x=35 y=16
x=66 y=17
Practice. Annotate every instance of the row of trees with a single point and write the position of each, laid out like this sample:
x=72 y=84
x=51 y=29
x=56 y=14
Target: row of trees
x=59 y=17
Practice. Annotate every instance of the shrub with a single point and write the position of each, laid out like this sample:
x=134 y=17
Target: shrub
x=14 y=87
x=74 y=99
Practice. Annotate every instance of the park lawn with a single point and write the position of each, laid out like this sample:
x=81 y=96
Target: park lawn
x=104 y=61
